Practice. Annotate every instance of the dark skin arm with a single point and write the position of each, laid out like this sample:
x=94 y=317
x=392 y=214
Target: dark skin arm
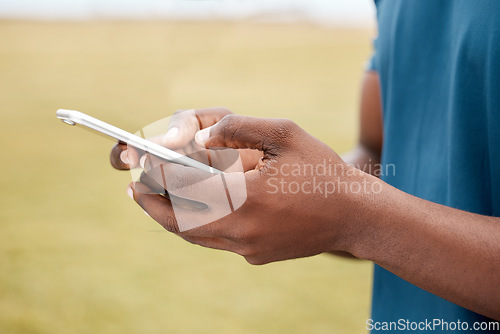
x=366 y=154
x=428 y=220
x=451 y=253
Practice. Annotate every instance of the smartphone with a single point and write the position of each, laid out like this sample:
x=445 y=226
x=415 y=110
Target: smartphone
x=73 y=117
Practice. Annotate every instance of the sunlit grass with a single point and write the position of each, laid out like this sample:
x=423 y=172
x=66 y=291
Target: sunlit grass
x=78 y=256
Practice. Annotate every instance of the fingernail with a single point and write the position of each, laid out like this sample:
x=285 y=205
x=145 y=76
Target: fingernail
x=124 y=157
x=142 y=161
x=202 y=136
x=147 y=214
x=171 y=133
x=130 y=193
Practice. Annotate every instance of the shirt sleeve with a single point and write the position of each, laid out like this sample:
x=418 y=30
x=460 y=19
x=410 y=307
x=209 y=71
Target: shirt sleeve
x=371 y=64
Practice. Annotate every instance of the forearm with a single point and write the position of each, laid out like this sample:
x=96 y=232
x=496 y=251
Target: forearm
x=451 y=253
x=366 y=155
x=369 y=162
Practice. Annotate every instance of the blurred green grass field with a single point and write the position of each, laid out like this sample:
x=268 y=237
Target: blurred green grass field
x=78 y=256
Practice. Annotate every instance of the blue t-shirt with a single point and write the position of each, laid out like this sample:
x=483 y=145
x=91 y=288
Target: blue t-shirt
x=439 y=68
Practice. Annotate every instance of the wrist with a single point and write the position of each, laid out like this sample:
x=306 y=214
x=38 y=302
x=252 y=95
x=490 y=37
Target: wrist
x=366 y=209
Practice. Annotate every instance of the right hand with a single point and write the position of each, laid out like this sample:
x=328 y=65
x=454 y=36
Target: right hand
x=183 y=126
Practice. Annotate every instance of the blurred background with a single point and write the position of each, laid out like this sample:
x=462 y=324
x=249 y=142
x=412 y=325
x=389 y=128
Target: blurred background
x=76 y=254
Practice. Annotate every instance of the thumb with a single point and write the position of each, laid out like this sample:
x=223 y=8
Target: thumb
x=235 y=131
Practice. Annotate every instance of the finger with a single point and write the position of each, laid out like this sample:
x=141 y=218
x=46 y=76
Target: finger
x=250 y=158
x=209 y=116
x=198 y=197
x=157 y=207
x=185 y=123
x=264 y=134
x=151 y=183
x=182 y=181
x=123 y=157
x=177 y=201
x=181 y=129
x=161 y=210
x=214 y=243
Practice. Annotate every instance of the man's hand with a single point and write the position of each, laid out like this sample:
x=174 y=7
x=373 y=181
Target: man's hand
x=299 y=194
x=181 y=130
x=451 y=253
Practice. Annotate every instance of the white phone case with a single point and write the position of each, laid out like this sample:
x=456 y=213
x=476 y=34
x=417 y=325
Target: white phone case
x=73 y=117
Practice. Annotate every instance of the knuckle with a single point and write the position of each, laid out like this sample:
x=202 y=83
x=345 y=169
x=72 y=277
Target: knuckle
x=255 y=261
x=285 y=130
x=223 y=111
x=169 y=223
x=285 y=126
x=114 y=157
x=287 y=123
x=247 y=235
x=179 y=111
x=247 y=251
x=210 y=116
x=187 y=238
x=180 y=116
x=228 y=119
x=229 y=125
